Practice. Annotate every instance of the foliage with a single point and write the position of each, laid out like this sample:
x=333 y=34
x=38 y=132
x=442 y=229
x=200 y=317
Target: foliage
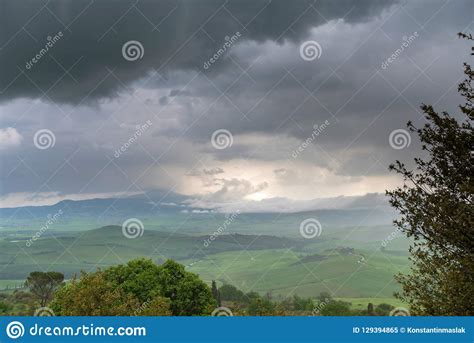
x=435 y=203
x=215 y=293
x=138 y=277
x=5 y=308
x=302 y=304
x=261 y=307
x=93 y=295
x=370 y=309
x=158 y=306
x=138 y=288
x=99 y=294
x=257 y=305
x=383 y=309
x=337 y=308
x=324 y=297
x=22 y=303
x=142 y=288
x=188 y=294
x=192 y=297
x=43 y=285
x=231 y=293
x=251 y=295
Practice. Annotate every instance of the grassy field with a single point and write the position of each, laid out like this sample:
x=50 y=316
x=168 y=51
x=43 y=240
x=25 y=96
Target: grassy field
x=282 y=273
x=280 y=265
x=10 y=283
x=73 y=252
x=361 y=303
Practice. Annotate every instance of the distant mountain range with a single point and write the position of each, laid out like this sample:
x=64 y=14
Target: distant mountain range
x=166 y=211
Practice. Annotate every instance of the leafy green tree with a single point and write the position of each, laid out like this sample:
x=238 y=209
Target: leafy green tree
x=252 y=295
x=93 y=295
x=188 y=294
x=383 y=309
x=158 y=306
x=139 y=287
x=25 y=303
x=215 y=293
x=436 y=208
x=219 y=301
x=193 y=298
x=370 y=309
x=5 y=308
x=324 y=297
x=261 y=307
x=139 y=277
x=43 y=285
x=231 y=293
x=302 y=304
x=337 y=308
x=287 y=304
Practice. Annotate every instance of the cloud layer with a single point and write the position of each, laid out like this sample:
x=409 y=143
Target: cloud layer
x=298 y=129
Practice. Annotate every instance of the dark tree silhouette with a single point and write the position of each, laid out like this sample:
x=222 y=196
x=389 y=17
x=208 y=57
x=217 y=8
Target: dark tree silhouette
x=43 y=285
x=215 y=293
x=436 y=208
x=370 y=309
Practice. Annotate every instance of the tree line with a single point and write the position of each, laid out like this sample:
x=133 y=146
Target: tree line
x=143 y=288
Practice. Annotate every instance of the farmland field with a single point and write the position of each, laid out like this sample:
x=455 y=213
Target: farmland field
x=350 y=262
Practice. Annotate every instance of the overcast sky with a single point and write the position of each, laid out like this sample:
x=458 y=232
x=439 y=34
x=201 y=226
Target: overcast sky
x=222 y=101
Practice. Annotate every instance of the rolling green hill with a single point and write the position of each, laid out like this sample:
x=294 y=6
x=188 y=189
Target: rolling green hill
x=283 y=273
x=348 y=262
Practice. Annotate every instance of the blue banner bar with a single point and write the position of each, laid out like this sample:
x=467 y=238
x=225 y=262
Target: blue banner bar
x=237 y=329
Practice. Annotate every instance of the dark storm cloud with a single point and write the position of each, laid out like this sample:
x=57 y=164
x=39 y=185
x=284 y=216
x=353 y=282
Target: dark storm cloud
x=176 y=35
x=271 y=109
x=362 y=101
